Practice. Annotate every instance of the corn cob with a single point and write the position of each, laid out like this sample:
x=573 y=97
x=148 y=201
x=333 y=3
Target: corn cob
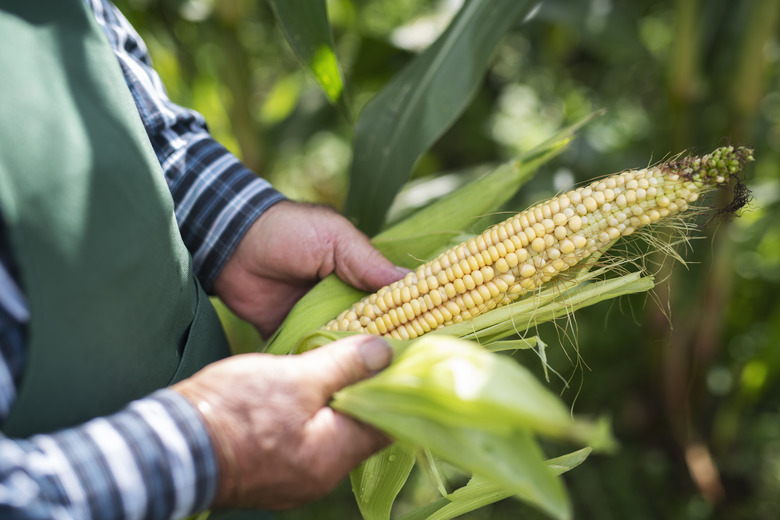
x=529 y=249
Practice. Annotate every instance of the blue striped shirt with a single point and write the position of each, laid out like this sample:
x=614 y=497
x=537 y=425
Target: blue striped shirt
x=153 y=459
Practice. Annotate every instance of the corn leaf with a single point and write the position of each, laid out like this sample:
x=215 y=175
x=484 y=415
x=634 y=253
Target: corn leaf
x=457 y=211
x=477 y=411
x=480 y=492
x=523 y=344
x=419 y=104
x=307 y=28
x=511 y=461
x=429 y=464
x=433 y=228
x=377 y=481
x=569 y=461
x=493 y=192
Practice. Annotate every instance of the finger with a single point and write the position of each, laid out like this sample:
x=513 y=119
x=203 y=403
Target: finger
x=360 y=264
x=345 y=362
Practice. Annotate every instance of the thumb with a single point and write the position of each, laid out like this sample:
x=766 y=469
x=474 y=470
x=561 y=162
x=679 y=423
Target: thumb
x=361 y=265
x=345 y=362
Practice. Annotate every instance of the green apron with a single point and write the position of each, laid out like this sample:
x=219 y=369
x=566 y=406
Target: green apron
x=115 y=310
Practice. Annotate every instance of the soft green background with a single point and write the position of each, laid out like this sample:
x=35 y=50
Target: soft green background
x=689 y=377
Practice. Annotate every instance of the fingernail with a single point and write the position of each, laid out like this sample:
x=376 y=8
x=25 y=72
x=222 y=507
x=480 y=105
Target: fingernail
x=403 y=270
x=376 y=354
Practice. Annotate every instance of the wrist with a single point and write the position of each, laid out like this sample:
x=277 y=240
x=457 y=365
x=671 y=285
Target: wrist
x=220 y=433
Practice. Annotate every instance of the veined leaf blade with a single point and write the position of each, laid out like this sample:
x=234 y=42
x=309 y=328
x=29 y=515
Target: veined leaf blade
x=479 y=492
x=419 y=104
x=379 y=479
x=432 y=229
x=306 y=25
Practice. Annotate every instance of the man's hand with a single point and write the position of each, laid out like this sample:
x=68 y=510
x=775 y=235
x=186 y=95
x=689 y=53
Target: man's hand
x=278 y=444
x=286 y=251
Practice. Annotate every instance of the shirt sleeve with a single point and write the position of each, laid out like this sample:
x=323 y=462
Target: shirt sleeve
x=216 y=197
x=151 y=460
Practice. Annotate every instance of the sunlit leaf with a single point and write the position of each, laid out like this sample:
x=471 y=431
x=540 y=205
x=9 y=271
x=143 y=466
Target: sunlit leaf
x=516 y=344
x=307 y=28
x=282 y=99
x=419 y=104
x=425 y=233
x=457 y=211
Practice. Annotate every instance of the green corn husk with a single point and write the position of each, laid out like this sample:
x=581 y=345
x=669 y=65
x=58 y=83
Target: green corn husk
x=491 y=329
x=458 y=383
x=378 y=481
x=478 y=411
x=438 y=420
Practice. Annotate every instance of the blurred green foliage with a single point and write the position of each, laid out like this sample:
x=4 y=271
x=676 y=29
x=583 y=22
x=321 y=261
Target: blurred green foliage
x=691 y=376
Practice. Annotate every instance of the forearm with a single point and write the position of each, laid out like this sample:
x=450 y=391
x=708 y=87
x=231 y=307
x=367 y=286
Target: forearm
x=216 y=198
x=151 y=460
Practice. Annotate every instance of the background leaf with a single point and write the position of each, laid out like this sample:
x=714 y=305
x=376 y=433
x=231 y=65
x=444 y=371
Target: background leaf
x=307 y=28
x=419 y=237
x=419 y=104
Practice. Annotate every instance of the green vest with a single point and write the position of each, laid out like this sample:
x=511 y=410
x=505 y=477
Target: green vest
x=115 y=310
